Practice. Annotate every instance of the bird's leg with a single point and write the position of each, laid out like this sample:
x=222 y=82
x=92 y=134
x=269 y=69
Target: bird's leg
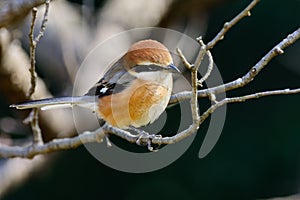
x=141 y=135
x=108 y=143
x=107 y=140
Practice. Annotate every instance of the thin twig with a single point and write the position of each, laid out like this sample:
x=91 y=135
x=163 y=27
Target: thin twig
x=44 y=22
x=189 y=65
x=228 y=25
x=205 y=50
x=33 y=120
x=244 y=98
x=184 y=60
x=248 y=77
x=201 y=54
x=209 y=111
x=33 y=41
x=32 y=44
x=194 y=96
x=210 y=64
x=209 y=69
x=33 y=116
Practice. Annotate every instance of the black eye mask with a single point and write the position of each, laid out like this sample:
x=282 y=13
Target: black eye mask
x=148 y=68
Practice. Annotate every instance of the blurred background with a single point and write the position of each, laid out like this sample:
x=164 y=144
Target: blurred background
x=258 y=153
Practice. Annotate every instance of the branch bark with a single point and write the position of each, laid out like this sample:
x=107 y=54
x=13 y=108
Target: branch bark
x=54 y=145
x=228 y=25
x=33 y=118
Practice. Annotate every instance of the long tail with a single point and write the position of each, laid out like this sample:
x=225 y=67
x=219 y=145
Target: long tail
x=58 y=102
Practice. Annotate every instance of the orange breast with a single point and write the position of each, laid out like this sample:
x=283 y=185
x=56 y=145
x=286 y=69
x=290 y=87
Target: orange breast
x=131 y=106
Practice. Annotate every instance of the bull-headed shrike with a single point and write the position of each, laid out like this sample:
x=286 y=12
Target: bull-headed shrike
x=133 y=92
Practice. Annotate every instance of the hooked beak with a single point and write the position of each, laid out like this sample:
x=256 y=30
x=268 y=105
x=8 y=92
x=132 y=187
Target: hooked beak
x=173 y=67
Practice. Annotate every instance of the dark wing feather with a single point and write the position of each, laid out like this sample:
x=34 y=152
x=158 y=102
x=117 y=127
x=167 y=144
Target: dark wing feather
x=114 y=80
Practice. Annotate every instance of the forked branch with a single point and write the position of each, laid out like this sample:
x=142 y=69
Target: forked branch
x=32 y=119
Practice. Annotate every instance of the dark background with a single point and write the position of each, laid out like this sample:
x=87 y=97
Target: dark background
x=258 y=153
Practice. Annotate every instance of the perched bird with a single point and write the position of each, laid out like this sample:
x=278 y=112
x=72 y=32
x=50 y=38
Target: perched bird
x=132 y=93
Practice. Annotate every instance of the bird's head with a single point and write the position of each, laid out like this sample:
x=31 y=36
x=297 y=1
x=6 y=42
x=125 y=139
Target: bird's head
x=148 y=55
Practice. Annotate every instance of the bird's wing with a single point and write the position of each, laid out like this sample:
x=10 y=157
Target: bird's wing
x=117 y=78
x=114 y=80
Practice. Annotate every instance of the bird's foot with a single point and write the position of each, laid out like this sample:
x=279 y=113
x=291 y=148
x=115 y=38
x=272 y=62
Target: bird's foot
x=145 y=139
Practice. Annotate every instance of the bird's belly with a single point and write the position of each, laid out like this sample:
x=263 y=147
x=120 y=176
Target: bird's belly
x=138 y=106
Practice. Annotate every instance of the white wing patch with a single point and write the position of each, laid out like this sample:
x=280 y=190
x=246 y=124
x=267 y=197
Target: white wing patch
x=103 y=90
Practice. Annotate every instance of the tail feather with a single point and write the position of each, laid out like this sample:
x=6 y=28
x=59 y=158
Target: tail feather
x=57 y=102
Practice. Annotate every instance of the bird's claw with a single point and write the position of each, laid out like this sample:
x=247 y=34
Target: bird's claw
x=145 y=138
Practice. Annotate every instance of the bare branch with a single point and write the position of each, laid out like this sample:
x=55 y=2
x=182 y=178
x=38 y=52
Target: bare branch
x=194 y=99
x=184 y=60
x=99 y=134
x=201 y=53
x=44 y=22
x=205 y=50
x=206 y=114
x=247 y=78
x=54 y=145
x=277 y=50
x=244 y=98
x=33 y=43
x=32 y=53
x=194 y=96
x=210 y=65
x=228 y=25
x=33 y=120
x=33 y=116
